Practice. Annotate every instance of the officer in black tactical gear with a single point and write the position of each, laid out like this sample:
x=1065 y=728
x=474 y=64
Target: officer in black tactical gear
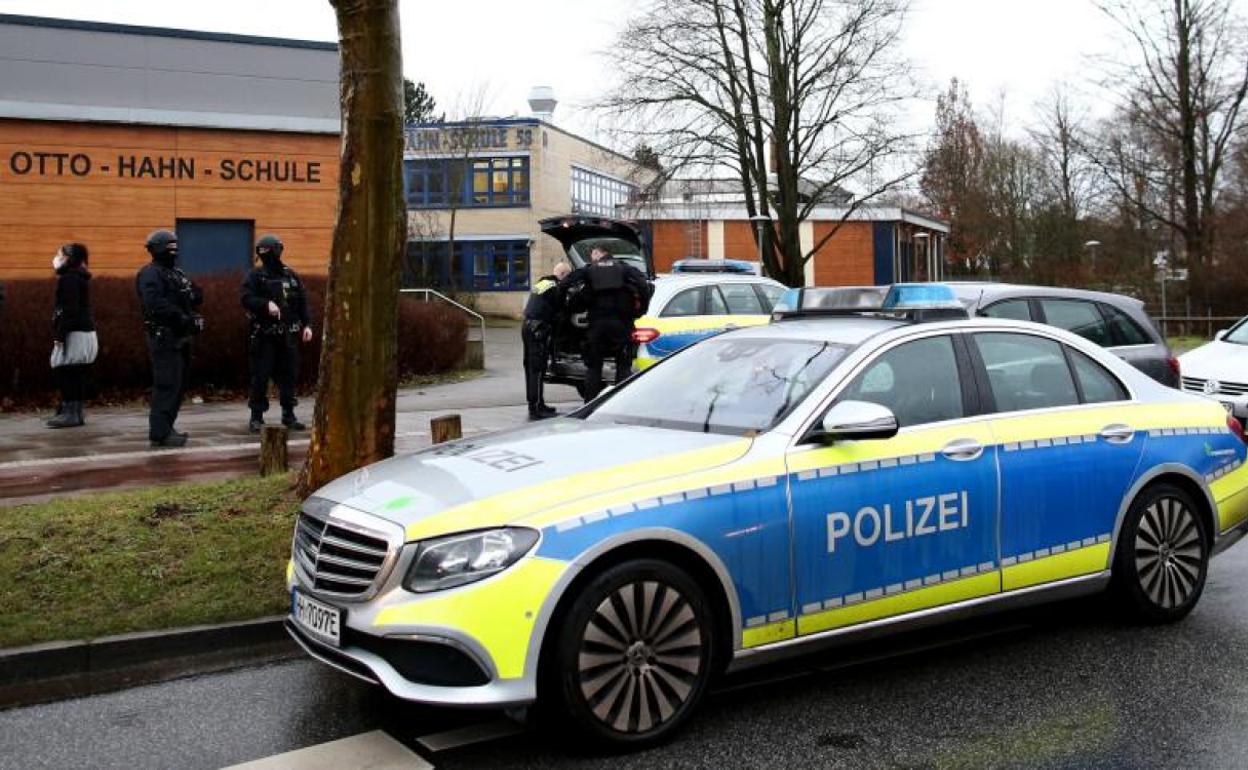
x=540 y=312
x=277 y=302
x=616 y=294
x=169 y=301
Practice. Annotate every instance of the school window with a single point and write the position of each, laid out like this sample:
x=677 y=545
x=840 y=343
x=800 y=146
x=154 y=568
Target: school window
x=477 y=266
x=434 y=183
x=594 y=193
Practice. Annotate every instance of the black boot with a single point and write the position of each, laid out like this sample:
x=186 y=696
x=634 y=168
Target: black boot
x=174 y=439
x=547 y=410
x=292 y=422
x=70 y=416
x=257 y=422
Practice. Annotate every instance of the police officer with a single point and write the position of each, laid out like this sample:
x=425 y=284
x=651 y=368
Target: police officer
x=540 y=311
x=275 y=299
x=617 y=294
x=169 y=301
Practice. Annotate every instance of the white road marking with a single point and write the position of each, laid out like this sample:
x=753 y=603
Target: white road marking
x=367 y=751
x=470 y=735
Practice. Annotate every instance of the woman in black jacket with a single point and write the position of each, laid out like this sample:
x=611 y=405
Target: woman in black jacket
x=75 y=345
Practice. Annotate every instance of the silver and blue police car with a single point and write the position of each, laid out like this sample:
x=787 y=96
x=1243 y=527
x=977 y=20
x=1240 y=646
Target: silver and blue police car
x=763 y=492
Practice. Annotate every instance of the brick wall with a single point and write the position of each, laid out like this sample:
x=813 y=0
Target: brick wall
x=847 y=258
x=675 y=240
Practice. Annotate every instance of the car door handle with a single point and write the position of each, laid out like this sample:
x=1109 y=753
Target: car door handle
x=1118 y=433
x=963 y=449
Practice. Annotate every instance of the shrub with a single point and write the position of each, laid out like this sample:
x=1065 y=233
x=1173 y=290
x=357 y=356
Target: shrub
x=432 y=339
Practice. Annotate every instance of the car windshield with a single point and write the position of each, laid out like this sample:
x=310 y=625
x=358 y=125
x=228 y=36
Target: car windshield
x=1238 y=335
x=621 y=249
x=728 y=385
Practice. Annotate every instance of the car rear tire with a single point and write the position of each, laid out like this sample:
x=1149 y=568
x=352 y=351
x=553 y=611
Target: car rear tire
x=634 y=654
x=1163 y=555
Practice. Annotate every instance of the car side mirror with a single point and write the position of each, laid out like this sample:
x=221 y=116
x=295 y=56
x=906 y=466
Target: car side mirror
x=1221 y=335
x=856 y=421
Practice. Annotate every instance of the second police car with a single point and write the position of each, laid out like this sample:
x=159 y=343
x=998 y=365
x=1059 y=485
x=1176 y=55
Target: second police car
x=767 y=491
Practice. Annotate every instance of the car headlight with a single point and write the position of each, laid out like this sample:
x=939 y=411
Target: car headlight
x=447 y=562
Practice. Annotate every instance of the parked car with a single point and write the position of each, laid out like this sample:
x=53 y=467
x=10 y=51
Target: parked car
x=1220 y=369
x=768 y=491
x=579 y=235
x=1112 y=321
x=700 y=298
x=688 y=307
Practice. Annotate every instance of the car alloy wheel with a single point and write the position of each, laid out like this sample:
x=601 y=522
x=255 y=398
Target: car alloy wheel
x=1163 y=555
x=641 y=654
x=635 y=653
x=1169 y=552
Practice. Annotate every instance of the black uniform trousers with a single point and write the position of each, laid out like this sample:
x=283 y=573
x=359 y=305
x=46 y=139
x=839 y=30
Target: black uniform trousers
x=536 y=337
x=71 y=381
x=276 y=357
x=171 y=363
x=608 y=339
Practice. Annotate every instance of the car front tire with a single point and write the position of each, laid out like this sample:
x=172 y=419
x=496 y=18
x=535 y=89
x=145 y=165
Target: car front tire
x=1163 y=555
x=634 y=654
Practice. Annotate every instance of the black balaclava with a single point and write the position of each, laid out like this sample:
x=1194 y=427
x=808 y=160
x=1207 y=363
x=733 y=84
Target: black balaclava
x=269 y=249
x=163 y=246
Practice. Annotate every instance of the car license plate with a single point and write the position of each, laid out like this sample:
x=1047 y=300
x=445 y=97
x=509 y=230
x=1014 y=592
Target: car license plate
x=320 y=620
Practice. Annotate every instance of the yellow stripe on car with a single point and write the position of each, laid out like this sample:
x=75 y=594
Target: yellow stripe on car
x=500 y=614
x=1081 y=561
x=985 y=584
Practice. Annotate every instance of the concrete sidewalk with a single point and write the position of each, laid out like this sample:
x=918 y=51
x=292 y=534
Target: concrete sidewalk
x=111 y=451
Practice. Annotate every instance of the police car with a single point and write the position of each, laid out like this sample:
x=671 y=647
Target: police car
x=692 y=304
x=770 y=490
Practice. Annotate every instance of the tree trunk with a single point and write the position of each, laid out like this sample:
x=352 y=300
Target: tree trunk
x=354 y=422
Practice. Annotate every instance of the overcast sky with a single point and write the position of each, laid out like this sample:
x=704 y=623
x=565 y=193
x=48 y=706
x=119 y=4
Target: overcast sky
x=1018 y=48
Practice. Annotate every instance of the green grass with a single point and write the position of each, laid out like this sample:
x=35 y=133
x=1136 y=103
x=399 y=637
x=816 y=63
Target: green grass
x=143 y=560
x=1179 y=345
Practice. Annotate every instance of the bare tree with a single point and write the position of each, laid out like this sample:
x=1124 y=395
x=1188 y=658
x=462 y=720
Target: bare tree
x=1185 y=90
x=354 y=422
x=795 y=98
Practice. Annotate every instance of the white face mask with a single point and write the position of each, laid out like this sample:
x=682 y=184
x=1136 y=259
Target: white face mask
x=59 y=261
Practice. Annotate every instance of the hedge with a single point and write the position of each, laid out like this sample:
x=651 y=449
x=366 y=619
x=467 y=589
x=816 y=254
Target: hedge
x=432 y=339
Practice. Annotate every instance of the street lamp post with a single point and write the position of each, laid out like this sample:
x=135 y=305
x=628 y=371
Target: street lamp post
x=1091 y=247
x=759 y=221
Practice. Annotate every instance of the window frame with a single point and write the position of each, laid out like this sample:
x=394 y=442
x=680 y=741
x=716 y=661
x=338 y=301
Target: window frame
x=458 y=270
x=750 y=288
x=701 y=292
x=421 y=196
x=988 y=399
x=768 y=304
x=972 y=404
x=1096 y=308
x=1115 y=333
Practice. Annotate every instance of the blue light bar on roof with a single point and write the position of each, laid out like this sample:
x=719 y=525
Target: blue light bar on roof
x=735 y=266
x=915 y=296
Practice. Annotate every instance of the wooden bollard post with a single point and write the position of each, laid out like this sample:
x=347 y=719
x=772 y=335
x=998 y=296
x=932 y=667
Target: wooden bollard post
x=273 y=450
x=446 y=428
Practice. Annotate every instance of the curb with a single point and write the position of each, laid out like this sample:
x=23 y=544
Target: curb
x=56 y=670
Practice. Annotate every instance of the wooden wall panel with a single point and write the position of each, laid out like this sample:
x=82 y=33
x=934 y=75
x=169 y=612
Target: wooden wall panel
x=740 y=241
x=675 y=240
x=112 y=211
x=848 y=257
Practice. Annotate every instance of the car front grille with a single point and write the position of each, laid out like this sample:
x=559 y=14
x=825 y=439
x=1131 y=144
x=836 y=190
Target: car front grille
x=1197 y=385
x=338 y=560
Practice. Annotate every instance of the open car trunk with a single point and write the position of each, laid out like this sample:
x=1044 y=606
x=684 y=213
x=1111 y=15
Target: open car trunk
x=578 y=235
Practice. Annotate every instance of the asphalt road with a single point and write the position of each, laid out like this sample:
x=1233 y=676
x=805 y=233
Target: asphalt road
x=1062 y=686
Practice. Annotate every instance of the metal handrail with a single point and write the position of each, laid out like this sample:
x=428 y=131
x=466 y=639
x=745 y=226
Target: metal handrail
x=432 y=292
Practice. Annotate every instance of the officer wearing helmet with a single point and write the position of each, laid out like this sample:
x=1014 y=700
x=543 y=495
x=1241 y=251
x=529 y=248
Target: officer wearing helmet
x=277 y=304
x=170 y=301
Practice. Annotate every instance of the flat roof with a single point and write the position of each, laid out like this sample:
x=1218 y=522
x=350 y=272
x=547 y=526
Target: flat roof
x=167 y=32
